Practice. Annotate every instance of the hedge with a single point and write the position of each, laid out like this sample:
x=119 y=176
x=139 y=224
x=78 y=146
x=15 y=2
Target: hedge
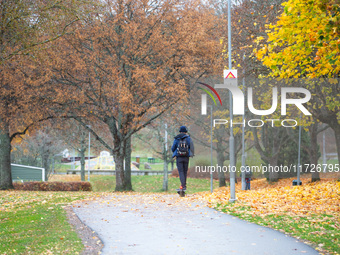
x=53 y=186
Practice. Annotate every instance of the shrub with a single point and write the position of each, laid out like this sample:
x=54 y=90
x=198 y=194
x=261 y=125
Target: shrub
x=53 y=186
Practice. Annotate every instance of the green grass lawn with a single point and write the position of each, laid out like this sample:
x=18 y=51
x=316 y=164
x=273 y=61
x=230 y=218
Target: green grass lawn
x=62 y=167
x=36 y=223
x=155 y=167
x=151 y=184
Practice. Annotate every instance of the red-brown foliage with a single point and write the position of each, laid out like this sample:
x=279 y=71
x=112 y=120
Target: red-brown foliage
x=53 y=186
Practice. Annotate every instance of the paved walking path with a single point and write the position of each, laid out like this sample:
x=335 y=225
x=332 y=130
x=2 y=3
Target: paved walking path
x=167 y=224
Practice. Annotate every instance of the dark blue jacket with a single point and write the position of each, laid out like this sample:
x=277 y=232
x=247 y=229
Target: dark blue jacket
x=176 y=142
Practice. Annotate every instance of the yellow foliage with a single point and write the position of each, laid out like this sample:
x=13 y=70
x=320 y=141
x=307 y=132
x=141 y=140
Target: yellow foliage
x=303 y=29
x=282 y=198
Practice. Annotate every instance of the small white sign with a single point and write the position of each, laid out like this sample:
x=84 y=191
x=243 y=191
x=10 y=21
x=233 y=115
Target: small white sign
x=230 y=74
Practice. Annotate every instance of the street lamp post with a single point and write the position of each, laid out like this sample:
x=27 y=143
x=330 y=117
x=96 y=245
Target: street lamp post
x=324 y=159
x=243 y=173
x=299 y=155
x=211 y=147
x=89 y=161
x=165 y=166
x=231 y=139
x=74 y=159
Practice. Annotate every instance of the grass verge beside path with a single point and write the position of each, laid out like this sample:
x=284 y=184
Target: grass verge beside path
x=145 y=184
x=141 y=183
x=320 y=231
x=36 y=223
x=33 y=222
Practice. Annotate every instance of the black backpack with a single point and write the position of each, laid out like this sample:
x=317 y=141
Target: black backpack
x=183 y=148
x=248 y=174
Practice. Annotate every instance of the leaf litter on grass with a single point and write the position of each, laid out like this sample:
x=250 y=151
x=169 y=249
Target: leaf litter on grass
x=282 y=198
x=310 y=211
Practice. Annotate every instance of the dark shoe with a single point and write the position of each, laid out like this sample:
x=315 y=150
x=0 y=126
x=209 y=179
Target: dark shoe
x=181 y=189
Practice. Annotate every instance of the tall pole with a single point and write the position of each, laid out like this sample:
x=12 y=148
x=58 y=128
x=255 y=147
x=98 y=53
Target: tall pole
x=229 y=33
x=211 y=147
x=299 y=155
x=243 y=173
x=231 y=139
x=324 y=160
x=165 y=166
x=74 y=159
x=89 y=161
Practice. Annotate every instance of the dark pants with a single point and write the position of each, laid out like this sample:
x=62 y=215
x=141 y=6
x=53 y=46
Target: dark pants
x=182 y=166
x=247 y=184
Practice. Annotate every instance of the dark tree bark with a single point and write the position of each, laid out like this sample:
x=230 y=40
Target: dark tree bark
x=313 y=150
x=331 y=119
x=120 y=175
x=82 y=157
x=46 y=163
x=272 y=139
x=165 y=169
x=127 y=171
x=5 y=157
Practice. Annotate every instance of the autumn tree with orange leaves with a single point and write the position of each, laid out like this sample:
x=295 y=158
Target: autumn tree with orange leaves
x=132 y=63
x=26 y=29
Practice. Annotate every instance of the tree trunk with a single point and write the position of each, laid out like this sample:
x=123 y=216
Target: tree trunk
x=45 y=163
x=331 y=119
x=5 y=157
x=82 y=151
x=337 y=140
x=314 y=150
x=272 y=143
x=221 y=175
x=335 y=125
x=82 y=164
x=273 y=175
x=165 y=169
x=120 y=175
x=127 y=171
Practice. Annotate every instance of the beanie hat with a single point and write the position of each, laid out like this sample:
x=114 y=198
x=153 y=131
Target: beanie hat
x=183 y=129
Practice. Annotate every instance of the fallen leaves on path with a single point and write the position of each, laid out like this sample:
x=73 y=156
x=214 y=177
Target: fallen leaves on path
x=133 y=200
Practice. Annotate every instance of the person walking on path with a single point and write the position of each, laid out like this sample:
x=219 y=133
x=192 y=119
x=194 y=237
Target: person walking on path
x=182 y=149
x=248 y=175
